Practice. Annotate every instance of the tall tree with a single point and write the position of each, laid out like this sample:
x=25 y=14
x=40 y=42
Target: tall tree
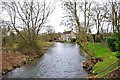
x=99 y=15
x=33 y=15
x=73 y=11
x=50 y=29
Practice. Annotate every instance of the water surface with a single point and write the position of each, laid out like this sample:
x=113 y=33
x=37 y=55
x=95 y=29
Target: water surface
x=63 y=60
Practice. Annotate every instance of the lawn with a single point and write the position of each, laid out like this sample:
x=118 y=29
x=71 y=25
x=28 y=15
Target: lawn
x=102 y=51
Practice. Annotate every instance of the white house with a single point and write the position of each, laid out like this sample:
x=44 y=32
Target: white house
x=67 y=35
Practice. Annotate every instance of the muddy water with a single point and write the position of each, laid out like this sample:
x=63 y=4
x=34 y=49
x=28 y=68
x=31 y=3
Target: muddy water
x=63 y=60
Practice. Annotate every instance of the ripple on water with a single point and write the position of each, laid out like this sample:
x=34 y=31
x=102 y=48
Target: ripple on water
x=61 y=61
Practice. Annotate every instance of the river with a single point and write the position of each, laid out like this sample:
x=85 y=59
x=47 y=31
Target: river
x=63 y=60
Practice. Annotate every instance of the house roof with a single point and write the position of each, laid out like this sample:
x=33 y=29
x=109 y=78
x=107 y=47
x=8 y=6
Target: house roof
x=67 y=32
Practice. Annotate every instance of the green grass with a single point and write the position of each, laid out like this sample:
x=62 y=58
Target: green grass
x=45 y=44
x=108 y=69
x=48 y=44
x=101 y=65
x=102 y=51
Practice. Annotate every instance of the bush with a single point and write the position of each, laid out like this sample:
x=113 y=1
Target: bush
x=89 y=38
x=112 y=44
x=32 y=48
x=73 y=40
x=98 y=38
x=78 y=42
x=118 y=54
x=118 y=37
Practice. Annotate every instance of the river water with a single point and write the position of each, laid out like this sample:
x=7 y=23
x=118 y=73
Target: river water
x=63 y=60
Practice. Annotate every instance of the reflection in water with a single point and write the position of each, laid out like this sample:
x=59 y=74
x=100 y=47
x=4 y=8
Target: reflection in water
x=61 y=61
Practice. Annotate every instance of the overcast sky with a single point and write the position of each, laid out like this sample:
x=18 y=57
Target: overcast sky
x=55 y=18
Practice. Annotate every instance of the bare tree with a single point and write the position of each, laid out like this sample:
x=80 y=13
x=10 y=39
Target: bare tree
x=99 y=14
x=33 y=15
x=49 y=29
x=73 y=9
x=114 y=14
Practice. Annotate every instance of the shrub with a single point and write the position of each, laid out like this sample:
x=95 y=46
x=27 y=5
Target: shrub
x=98 y=38
x=73 y=40
x=112 y=44
x=78 y=42
x=118 y=37
x=32 y=48
x=118 y=54
x=89 y=38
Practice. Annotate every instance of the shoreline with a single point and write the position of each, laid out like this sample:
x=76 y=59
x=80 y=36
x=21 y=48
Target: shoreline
x=11 y=61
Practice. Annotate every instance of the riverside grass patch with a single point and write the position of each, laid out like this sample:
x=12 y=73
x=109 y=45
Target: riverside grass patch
x=102 y=51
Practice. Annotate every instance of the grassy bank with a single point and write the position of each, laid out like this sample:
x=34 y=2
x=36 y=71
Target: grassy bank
x=12 y=60
x=102 y=51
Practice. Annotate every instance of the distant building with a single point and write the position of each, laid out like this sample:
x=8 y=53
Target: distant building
x=67 y=35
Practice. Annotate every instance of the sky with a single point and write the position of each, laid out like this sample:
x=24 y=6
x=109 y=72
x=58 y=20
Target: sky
x=54 y=19
x=57 y=15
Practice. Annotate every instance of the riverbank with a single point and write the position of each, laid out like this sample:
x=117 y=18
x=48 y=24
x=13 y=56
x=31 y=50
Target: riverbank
x=12 y=60
x=109 y=61
x=63 y=60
